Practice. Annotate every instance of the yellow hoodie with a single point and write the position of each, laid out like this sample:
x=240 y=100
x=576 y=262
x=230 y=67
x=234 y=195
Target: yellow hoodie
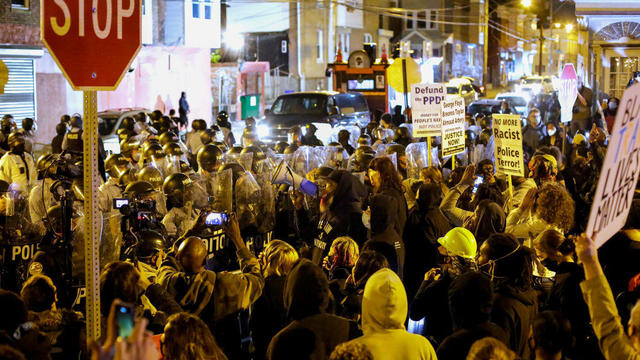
x=384 y=311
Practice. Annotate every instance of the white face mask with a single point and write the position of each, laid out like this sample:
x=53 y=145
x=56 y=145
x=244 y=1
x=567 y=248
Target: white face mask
x=551 y=132
x=613 y=105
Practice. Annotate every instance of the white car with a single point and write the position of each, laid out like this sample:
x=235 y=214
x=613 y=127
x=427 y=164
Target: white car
x=536 y=85
x=462 y=87
x=520 y=101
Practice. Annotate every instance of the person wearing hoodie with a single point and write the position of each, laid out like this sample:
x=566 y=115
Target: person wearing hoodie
x=458 y=248
x=515 y=302
x=386 y=180
x=384 y=237
x=533 y=132
x=425 y=225
x=384 y=312
x=470 y=302
x=307 y=300
x=342 y=207
x=488 y=219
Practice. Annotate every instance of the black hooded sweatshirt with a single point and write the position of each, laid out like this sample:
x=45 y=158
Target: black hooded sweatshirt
x=344 y=217
x=384 y=237
x=425 y=225
x=306 y=299
x=491 y=220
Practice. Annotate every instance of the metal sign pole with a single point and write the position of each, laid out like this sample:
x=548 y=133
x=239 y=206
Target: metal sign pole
x=92 y=217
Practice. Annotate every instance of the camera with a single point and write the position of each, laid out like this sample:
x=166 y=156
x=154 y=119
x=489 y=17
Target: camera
x=119 y=203
x=138 y=215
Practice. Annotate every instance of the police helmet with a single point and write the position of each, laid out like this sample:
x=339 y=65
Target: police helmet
x=362 y=161
x=364 y=139
x=250 y=132
x=280 y=147
x=222 y=146
x=15 y=139
x=127 y=146
x=323 y=172
x=61 y=129
x=175 y=187
x=290 y=150
x=149 y=243
x=153 y=152
x=44 y=162
x=127 y=178
x=124 y=134
x=209 y=157
x=173 y=149
x=310 y=129
x=207 y=136
x=236 y=169
x=257 y=152
x=138 y=189
x=7 y=121
x=397 y=149
x=185 y=168
x=168 y=137
x=222 y=116
x=27 y=123
x=365 y=149
x=402 y=133
x=114 y=163
x=76 y=122
x=127 y=123
x=198 y=124
x=152 y=175
x=235 y=150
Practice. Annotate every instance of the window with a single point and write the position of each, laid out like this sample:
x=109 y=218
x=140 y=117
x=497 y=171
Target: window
x=20 y=4
x=422 y=19
x=319 y=47
x=346 y=45
x=471 y=54
x=368 y=38
x=409 y=19
x=433 y=21
x=201 y=8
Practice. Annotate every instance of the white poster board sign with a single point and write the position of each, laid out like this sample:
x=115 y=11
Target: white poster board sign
x=620 y=170
x=425 y=109
x=567 y=92
x=507 y=137
x=453 y=123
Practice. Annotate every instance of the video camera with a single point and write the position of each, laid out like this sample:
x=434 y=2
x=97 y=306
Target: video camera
x=137 y=214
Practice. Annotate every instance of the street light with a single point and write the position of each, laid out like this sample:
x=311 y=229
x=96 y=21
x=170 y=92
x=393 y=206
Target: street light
x=568 y=27
x=526 y=3
x=557 y=25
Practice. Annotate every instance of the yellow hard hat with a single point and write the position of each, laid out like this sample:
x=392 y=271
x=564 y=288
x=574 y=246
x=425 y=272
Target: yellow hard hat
x=460 y=242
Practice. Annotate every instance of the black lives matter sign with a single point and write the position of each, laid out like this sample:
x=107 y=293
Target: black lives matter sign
x=507 y=137
x=619 y=173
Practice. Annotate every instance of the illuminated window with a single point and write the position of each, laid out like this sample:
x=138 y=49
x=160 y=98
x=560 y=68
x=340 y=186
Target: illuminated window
x=319 y=47
x=201 y=8
x=368 y=38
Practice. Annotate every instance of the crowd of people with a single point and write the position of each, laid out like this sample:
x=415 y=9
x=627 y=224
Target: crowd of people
x=371 y=246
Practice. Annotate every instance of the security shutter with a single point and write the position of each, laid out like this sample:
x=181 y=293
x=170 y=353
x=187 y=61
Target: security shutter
x=19 y=98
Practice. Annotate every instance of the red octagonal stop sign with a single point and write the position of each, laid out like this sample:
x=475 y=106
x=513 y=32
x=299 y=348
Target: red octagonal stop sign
x=93 y=41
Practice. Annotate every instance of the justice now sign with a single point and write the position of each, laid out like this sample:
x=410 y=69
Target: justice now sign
x=453 y=122
x=507 y=137
x=92 y=41
x=620 y=170
x=425 y=109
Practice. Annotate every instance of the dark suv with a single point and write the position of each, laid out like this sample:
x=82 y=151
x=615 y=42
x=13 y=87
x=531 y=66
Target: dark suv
x=324 y=109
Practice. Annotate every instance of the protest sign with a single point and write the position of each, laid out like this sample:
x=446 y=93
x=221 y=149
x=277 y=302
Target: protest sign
x=507 y=137
x=567 y=92
x=452 y=126
x=620 y=170
x=425 y=109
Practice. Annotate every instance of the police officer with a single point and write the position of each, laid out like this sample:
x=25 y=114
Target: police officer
x=130 y=149
x=194 y=141
x=249 y=136
x=222 y=120
x=28 y=130
x=154 y=155
x=126 y=128
x=56 y=142
x=180 y=215
x=116 y=165
x=41 y=198
x=7 y=126
x=16 y=166
x=310 y=138
x=73 y=139
x=149 y=252
x=174 y=155
x=154 y=177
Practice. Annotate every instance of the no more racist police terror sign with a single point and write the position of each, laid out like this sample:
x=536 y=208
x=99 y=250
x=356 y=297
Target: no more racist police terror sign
x=507 y=136
x=620 y=170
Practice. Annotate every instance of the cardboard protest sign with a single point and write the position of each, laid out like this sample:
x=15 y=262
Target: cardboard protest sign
x=507 y=137
x=567 y=92
x=620 y=170
x=425 y=108
x=453 y=122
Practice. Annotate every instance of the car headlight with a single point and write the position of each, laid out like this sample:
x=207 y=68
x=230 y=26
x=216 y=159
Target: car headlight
x=263 y=131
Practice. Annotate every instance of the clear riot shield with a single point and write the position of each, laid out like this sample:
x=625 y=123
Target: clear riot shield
x=305 y=159
x=418 y=158
x=335 y=157
x=354 y=134
x=394 y=159
x=248 y=200
x=111 y=240
x=219 y=186
x=245 y=160
x=267 y=219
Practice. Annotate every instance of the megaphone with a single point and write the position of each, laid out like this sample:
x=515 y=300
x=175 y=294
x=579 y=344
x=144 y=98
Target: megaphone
x=284 y=175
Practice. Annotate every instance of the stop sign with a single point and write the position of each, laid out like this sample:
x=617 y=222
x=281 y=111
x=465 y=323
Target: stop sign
x=92 y=41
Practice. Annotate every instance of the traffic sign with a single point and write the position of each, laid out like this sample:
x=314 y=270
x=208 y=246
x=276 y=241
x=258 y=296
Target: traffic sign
x=396 y=78
x=93 y=42
x=567 y=92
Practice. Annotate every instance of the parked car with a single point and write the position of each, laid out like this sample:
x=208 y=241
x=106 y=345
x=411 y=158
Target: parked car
x=519 y=100
x=489 y=107
x=536 y=84
x=109 y=121
x=462 y=87
x=324 y=109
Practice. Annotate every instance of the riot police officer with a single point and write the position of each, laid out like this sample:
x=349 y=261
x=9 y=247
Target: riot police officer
x=130 y=149
x=40 y=197
x=7 y=126
x=28 y=130
x=149 y=252
x=126 y=128
x=116 y=165
x=73 y=139
x=180 y=215
x=154 y=177
x=16 y=166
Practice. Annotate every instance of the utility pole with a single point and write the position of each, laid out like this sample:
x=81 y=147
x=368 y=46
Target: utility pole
x=541 y=28
x=485 y=46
